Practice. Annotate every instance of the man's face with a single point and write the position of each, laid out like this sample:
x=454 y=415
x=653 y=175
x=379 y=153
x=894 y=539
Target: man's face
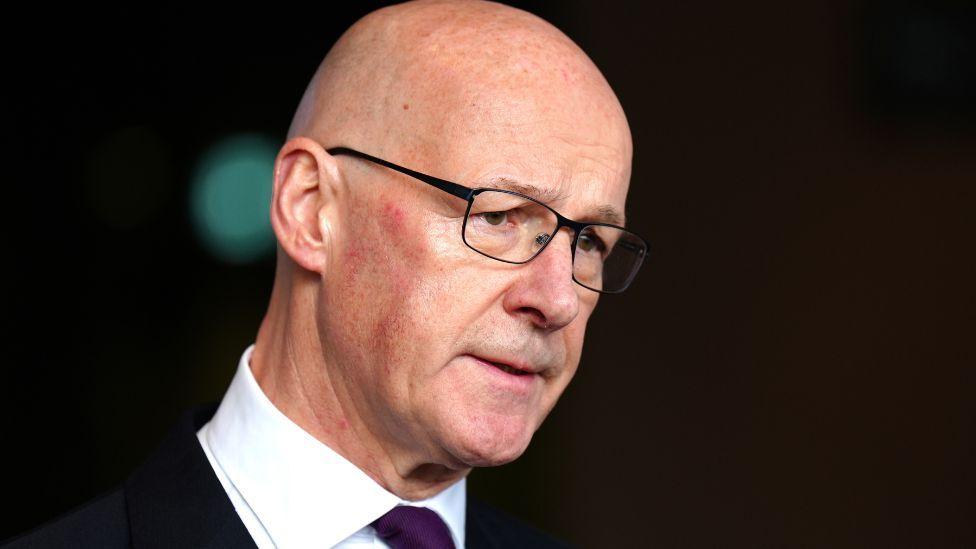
x=417 y=323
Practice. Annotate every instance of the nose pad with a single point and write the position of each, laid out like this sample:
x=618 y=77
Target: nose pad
x=541 y=240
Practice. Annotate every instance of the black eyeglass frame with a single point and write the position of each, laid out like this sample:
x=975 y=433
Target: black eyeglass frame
x=469 y=194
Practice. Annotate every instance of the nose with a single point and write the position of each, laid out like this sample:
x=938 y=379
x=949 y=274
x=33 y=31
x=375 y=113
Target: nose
x=545 y=292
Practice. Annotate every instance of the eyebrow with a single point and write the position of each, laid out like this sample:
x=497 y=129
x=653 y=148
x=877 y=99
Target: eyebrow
x=604 y=213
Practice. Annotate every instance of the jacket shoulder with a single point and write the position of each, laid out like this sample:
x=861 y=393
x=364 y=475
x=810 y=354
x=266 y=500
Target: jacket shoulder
x=488 y=526
x=102 y=522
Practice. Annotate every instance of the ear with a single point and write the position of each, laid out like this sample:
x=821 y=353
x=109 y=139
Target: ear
x=303 y=202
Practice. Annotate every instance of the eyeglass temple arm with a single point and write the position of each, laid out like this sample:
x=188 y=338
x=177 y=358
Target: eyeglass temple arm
x=459 y=191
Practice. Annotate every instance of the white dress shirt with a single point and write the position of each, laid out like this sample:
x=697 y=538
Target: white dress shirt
x=292 y=491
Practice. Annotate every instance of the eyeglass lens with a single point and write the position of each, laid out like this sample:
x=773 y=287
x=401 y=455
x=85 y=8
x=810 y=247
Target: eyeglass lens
x=513 y=228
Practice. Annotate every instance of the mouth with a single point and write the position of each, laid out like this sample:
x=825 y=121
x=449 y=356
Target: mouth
x=506 y=378
x=520 y=373
x=508 y=369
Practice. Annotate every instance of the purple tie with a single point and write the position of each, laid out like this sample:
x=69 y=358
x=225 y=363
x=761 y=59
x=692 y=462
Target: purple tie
x=409 y=527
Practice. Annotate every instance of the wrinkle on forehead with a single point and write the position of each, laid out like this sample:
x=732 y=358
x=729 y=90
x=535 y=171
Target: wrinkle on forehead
x=420 y=74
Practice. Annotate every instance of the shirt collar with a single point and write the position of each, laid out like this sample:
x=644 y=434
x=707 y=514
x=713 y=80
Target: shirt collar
x=299 y=488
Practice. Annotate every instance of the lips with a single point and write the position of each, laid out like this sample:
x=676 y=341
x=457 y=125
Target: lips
x=510 y=377
x=508 y=369
x=511 y=368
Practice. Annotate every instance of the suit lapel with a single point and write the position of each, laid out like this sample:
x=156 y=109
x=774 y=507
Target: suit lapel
x=477 y=534
x=175 y=499
x=489 y=528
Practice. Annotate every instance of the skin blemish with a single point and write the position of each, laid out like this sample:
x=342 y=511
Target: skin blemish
x=354 y=261
x=392 y=216
x=406 y=107
x=399 y=239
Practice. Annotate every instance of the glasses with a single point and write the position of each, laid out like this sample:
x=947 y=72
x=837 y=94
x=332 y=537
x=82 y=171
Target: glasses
x=515 y=228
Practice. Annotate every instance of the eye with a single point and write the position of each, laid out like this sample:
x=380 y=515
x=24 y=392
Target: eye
x=589 y=243
x=495 y=218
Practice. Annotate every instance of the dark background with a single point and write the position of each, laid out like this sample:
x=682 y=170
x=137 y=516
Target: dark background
x=793 y=368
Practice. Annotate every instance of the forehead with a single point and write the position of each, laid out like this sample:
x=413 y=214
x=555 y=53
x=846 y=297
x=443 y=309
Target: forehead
x=568 y=146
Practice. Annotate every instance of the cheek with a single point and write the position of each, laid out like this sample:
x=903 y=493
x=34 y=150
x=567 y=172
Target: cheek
x=352 y=262
x=389 y=275
x=393 y=215
x=379 y=256
x=401 y=232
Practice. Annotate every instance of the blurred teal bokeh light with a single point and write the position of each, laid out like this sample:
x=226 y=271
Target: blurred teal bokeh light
x=230 y=198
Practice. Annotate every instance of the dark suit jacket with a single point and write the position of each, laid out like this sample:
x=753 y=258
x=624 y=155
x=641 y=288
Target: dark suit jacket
x=175 y=500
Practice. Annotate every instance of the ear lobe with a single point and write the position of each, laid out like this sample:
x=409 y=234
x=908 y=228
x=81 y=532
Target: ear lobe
x=303 y=202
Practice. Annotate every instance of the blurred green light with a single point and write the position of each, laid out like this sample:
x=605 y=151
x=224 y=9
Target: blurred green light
x=231 y=196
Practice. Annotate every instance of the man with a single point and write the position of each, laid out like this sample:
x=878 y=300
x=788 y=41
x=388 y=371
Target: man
x=417 y=328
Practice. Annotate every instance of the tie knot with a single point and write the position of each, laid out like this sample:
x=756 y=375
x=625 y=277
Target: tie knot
x=409 y=527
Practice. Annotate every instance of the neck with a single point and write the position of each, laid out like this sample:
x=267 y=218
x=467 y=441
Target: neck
x=290 y=364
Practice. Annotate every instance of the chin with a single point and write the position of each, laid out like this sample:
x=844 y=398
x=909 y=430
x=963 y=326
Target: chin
x=491 y=440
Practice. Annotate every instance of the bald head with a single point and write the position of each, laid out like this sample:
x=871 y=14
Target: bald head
x=413 y=78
